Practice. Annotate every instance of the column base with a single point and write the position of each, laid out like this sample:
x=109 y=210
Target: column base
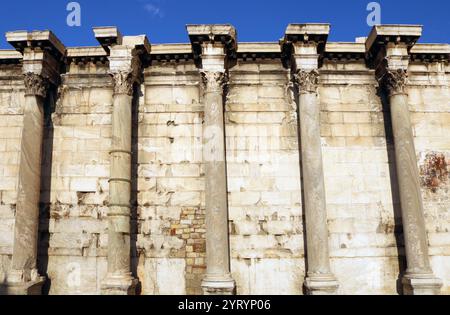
x=22 y=282
x=321 y=285
x=23 y=288
x=416 y=284
x=119 y=286
x=219 y=286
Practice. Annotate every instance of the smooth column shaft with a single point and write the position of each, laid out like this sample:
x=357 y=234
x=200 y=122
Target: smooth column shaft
x=120 y=188
x=217 y=244
x=314 y=187
x=27 y=212
x=416 y=244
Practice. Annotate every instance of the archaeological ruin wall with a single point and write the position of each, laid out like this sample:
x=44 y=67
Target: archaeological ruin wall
x=224 y=167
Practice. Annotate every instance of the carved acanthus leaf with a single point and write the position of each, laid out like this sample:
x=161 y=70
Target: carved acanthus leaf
x=35 y=84
x=395 y=81
x=124 y=80
x=214 y=81
x=307 y=81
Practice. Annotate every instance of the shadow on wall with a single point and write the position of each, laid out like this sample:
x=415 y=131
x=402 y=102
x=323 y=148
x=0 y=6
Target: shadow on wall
x=397 y=229
x=3 y=287
x=134 y=185
x=302 y=184
x=46 y=186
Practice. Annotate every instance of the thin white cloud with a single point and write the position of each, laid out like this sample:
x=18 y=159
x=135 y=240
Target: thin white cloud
x=154 y=9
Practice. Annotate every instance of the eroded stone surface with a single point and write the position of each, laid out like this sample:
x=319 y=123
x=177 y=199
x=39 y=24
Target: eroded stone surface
x=264 y=178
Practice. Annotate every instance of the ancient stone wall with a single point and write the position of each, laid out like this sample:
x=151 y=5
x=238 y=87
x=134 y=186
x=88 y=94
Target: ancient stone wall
x=264 y=178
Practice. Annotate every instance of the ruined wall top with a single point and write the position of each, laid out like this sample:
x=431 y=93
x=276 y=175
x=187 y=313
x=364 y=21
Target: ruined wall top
x=109 y=36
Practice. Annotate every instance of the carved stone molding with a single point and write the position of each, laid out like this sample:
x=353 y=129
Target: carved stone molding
x=35 y=84
x=307 y=82
x=214 y=81
x=395 y=81
x=124 y=79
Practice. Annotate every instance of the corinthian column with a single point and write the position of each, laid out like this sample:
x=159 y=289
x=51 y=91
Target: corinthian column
x=389 y=47
x=209 y=43
x=126 y=70
x=302 y=46
x=40 y=70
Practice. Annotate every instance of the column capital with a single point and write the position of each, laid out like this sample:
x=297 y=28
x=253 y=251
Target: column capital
x=214 y=81
x=307 y=81
x=126 y=57
x=43 y=55
x=125 y=69
x=214 y=45
x=303 y=45
x=388 y=48
x=36 y=84
x=394 y=81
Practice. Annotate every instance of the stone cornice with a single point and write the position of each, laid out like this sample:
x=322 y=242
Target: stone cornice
x=384 y=38
x=108 y=36
x=430 y=52
x=303 y=41
x=45 y=40
x=380 y=35
x=10 y=57
x=217 y=34
x=344 y=51
x=84 y=55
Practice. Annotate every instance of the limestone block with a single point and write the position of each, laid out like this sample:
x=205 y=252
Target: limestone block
x=163 y=276
x=185 y=199
x=366 y=275
x=169 y=213
x=84 y=184
x=77 y=225
x=171 y=95
x=91 y=97
x=180 y=184
x=246 y=227
x=276 y=198
x=7 y=212
x=152 y=227
x=97 y=170
x=282 y=276
x=185 y=170
x=153 y=198
x=246 y=198
x=440 y=265
x=243 y=94
x=149 y=171
x=73 y=275
x=6 y=232
x=279 y=227
x=8 y=183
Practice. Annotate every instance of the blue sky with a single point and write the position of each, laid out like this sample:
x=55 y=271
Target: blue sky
x=255 y=20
